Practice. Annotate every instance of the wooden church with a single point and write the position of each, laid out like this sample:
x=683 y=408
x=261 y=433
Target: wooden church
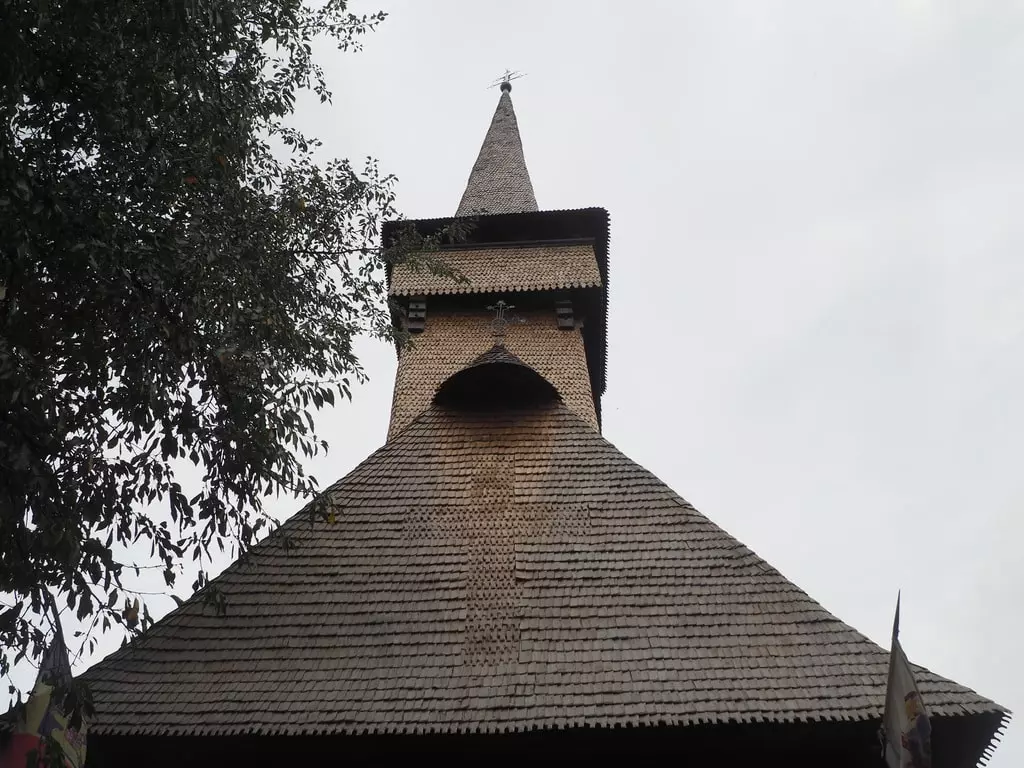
x=499 y=581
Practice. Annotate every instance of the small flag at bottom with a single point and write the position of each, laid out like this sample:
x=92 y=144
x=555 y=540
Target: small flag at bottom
x=906 y=729
x=45 y=715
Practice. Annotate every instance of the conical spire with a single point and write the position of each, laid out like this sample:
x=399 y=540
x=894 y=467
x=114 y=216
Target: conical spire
x=499 y=182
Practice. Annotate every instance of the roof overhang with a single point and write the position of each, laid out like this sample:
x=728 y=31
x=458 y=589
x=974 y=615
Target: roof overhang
x=963 y=742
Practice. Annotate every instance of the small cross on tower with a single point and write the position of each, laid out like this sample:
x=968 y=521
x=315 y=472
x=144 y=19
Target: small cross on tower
x=505 y=81
x=501 y=319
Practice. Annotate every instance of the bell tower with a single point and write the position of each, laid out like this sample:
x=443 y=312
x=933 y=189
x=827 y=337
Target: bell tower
x=534 y=284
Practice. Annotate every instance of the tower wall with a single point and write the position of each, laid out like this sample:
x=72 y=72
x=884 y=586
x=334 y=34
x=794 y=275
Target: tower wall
x=453 y=338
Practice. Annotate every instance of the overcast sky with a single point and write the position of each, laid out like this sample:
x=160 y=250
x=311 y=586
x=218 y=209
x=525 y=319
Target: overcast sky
x=817 y=282
x=817 y=271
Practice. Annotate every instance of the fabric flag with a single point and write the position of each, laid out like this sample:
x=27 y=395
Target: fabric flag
x=905 y=727
x=45 y=715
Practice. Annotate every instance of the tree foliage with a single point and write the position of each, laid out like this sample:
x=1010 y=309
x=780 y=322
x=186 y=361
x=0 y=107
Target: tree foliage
x=181 y=282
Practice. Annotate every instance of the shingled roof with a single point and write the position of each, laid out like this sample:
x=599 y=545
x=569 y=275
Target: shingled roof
x=499 y=181
x=548 y=267
x=491 y=571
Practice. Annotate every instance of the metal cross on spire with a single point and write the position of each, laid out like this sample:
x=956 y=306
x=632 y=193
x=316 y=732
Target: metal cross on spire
x=505 y=81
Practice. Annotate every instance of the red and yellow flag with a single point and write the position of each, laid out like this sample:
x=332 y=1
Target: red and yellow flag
x=47 y=714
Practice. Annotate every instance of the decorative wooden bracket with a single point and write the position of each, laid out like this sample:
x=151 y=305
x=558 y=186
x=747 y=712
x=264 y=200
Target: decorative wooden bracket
x=563 y=310
x=417 y=315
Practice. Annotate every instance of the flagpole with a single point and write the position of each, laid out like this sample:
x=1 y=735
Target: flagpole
x=896 y=618
x=55 y=620
x=889 y=679
x=905 y=723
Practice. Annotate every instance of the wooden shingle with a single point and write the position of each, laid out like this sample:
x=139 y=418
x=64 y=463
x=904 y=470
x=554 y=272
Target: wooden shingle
x=496 y=270
x=477 y=577
x=499 y=181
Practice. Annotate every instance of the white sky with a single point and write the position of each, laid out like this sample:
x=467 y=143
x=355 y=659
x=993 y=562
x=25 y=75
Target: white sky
x=817 y=281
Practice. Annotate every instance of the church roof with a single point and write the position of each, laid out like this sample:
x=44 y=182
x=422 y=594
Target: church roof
x=500 y=570
x=499 y=181
x=497 y=565
x=546 y=267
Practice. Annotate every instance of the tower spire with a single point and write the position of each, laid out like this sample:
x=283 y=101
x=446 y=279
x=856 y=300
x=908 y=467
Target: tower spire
x=499 y=181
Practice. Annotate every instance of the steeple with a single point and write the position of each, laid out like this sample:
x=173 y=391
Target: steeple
x=499 y=181
x=551 y=265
